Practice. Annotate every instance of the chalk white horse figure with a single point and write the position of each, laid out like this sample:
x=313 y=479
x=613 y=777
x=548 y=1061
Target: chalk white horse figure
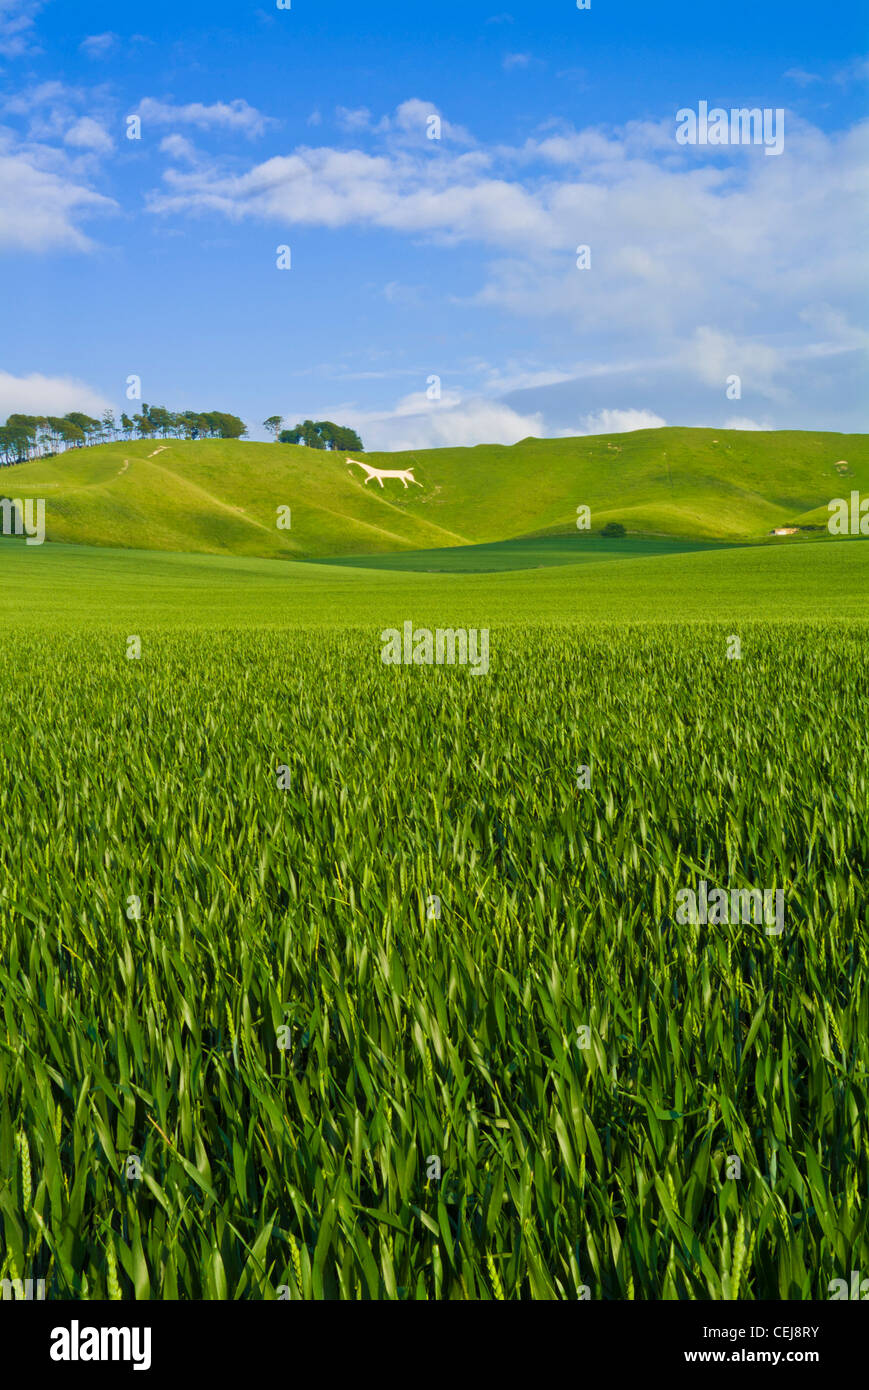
x=405 y=474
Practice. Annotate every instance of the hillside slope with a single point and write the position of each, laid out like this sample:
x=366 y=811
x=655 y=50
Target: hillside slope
x=222 y=496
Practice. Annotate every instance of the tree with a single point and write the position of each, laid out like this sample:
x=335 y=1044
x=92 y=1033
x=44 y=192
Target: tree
x=70 y=433
x=86 y=423
x=28 y=436
x=231 y=427
x=223 y=426
x=339 y=437
x=143 y=424
x=311 y=437
x=56 y=430
x=161 y=420
x=351 y=440
x=613 y=530
x=306 y=433
x=24 y=435
x=15 y=443
x=191 y=424
x=273 y=424
x=322 y=434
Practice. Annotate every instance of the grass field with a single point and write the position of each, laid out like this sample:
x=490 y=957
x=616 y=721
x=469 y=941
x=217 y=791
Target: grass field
x=74 y=586
x=536 y=553
x=246 y=1054
x=240 y=1044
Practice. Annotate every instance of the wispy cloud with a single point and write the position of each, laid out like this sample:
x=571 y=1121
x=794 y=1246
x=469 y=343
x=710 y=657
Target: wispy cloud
x=411 y=121
x=801 y=77
x=17 y=19
x=56 y=111
x=511 y=61
x=855 y=71
x=620 y=422
x=48 y=395
x=578 y=77
x=405 y=296
x=98 y=45
x=673 y=235
x=359 y=119
x=708 y=257
x=237 y=116
x=179 y=147
x=88 y=134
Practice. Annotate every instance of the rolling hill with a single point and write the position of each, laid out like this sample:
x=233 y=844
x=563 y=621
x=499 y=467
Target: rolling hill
x=222 y=496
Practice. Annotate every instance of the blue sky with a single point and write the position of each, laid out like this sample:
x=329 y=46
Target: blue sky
x=415 y=258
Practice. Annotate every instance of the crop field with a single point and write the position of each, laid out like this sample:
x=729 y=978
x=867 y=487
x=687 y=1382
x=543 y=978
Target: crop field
x=74 y=588
x=327 y=979
x=497 y=556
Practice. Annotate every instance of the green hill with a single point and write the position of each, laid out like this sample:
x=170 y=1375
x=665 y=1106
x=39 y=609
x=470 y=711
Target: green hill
x=222 y=496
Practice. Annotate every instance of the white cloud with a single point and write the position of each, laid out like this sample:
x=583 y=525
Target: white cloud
x=578 y=76
x=407 y=126
x=48 y=108
x=511 y=377
x=55 y=113
x=360 y=119
x=620 y=422
x=221 y=115
x=39 y=208
x=516 y=60
x=405 y=296
x=711 y=261
x=16 y=26
x=48 y=395
x=335 y=188
x=418 y=423
x=675 y=216
x=411 y=118
x=708 y=258
x=801 y=77
x=179 y=147
x=855 y=71
x=98 y=45
x=841 y=332
x=713 y=356
x=44 y=174
x=88 y=134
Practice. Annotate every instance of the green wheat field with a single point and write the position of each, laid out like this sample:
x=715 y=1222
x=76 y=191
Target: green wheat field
x=415 y=1019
